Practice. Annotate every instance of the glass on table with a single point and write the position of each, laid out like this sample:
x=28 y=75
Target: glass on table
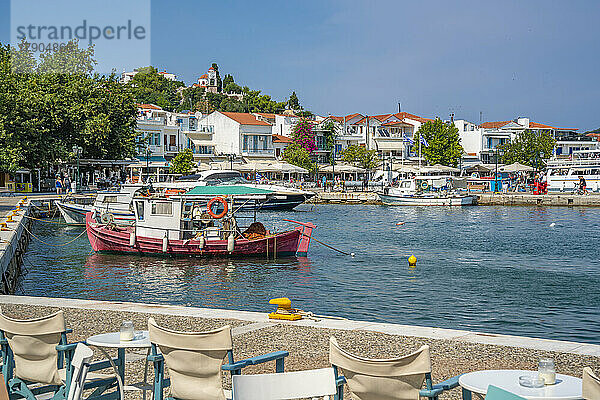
x=547 y=371
x=126 y=332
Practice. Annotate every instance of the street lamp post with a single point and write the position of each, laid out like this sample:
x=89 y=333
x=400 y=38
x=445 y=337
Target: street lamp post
x=231 y=158
x=77 y=150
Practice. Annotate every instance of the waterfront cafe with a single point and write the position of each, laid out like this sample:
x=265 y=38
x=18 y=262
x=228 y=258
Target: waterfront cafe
x=155 y=168
x=275 y=170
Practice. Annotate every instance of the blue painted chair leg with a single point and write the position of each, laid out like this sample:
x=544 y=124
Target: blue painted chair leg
x=466 y=394
x=279 y=365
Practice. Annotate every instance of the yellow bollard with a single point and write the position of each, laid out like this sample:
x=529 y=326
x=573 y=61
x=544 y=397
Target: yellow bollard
x=3 y=226
x=9 y=218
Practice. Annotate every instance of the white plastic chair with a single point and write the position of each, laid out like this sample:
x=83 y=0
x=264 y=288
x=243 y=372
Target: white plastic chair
x=80 y=364
x=286 y=385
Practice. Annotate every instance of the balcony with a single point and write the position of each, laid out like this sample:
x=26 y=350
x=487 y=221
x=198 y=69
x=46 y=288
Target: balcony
x=257 y=151
x=173 y=149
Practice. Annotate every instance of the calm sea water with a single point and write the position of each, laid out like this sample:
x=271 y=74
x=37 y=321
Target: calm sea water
x=491 y=269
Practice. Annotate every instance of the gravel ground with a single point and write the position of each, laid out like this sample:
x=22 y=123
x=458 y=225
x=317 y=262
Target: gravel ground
x=309 y=346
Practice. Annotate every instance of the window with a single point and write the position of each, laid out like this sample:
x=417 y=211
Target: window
x=245 y=145
x=139 y=207
x=162 y=208
x=109 y=199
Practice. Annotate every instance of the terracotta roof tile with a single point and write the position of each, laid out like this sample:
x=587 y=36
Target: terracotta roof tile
x=149 y=106
x=244 y=118
x=537 y=125
x=281 y=139
x=494 y=125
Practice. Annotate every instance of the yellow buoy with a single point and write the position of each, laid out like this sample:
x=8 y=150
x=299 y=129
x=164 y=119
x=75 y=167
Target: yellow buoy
x=412 y=261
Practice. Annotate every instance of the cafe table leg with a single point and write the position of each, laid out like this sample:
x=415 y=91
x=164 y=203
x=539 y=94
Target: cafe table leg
x=121 y=366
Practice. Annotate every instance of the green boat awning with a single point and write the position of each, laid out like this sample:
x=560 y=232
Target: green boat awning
x=227 y=190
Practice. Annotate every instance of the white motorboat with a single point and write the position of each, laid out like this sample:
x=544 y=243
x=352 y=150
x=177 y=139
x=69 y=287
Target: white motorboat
x=283 y=198
x=563 y=173
x=425 y=191
x=115 y=202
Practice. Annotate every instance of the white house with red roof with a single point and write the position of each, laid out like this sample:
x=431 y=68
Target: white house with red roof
x=483 y=140
x=242 y=134
x=389 y=134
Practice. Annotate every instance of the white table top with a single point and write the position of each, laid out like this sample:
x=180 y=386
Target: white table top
x=566 y=388
x=112 y=339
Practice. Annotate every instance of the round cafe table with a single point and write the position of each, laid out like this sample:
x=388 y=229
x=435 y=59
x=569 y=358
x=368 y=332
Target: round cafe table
x=141 y=340
x=566 y=387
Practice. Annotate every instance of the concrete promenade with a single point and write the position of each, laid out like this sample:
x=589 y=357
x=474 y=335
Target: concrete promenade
x=553 y=199
x=453 y=351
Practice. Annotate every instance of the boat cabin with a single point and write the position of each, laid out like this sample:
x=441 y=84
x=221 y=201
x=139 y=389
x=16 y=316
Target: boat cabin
x=111 y=200
x=190 y=215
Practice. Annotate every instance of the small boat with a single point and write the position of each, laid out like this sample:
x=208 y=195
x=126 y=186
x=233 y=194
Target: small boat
x=424 y=191
x=116 y=202
x=283 y=198
x=184 y=225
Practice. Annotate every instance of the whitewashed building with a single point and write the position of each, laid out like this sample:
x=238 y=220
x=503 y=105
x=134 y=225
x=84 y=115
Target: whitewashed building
x=238 y=134
x=483 y=140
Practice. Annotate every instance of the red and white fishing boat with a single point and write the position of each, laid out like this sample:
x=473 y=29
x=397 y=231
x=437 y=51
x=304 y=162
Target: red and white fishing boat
x=185 y=226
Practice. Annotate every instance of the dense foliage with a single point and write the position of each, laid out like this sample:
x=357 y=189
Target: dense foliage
x=150 y=87
x=360 y=156
x=297 y=155
x=182 y=163
x=49 y=106
x=529 y=148
x=303 y=135
x=443 y=143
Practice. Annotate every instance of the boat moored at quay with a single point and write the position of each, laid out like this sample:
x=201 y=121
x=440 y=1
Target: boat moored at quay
x=425 y=191
x=563 y=173
x=187 y=225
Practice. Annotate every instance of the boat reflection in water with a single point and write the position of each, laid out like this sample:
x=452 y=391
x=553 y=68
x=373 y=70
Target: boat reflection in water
x=213 y=282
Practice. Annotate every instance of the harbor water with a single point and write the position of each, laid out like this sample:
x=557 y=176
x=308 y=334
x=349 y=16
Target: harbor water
x=528 y=271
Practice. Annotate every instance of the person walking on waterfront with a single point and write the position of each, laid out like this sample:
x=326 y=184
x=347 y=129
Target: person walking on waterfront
x=582 y=185
x=67 y=184
x=58 y=185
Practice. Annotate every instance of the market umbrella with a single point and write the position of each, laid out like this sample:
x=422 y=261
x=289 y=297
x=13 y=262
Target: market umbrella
x=515 y=167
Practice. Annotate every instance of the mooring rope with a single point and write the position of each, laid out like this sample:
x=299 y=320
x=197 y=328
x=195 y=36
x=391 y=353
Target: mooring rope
x=55 y=245
x=327 y=245
x=51 y=222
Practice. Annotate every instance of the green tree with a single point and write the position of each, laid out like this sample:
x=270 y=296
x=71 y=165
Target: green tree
x=529 y=148
x=182 y=163
x=443 y=143
x=44 y=113
x=293 y=103
x=192 y=98
x=227 y=80
x=297 y=155
x=360 y=156
x=232 y=87
x=150 y=87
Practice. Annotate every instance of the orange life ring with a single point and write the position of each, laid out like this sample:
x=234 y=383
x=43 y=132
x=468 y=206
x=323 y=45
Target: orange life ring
x=213 y=201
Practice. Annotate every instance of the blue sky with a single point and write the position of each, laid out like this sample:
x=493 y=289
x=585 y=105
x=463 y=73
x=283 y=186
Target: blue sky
x=505 y=58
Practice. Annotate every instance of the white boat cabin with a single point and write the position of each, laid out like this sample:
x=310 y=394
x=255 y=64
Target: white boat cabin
x=189 y=215
x=111 y=201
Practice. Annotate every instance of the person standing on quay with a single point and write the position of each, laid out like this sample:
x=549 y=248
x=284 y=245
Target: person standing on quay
x=58 y=185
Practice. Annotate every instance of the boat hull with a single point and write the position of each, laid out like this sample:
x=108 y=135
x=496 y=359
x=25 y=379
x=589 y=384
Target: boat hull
x=396 y=200
x=117 y=240
x=73 y=213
